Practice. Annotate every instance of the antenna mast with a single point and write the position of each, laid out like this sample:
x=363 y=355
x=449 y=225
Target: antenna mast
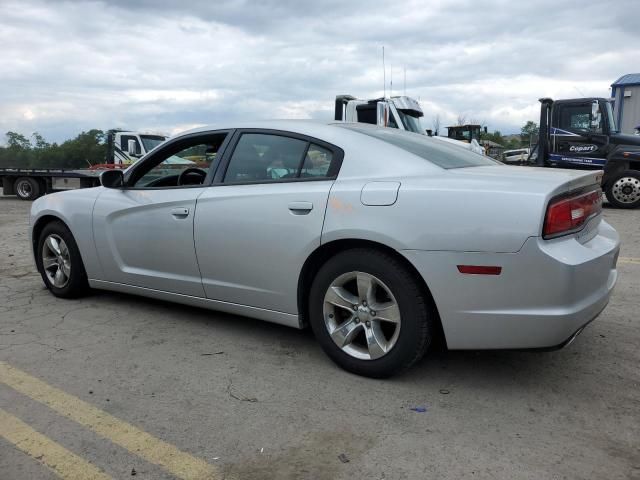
x=405 y=81
x=384 y=75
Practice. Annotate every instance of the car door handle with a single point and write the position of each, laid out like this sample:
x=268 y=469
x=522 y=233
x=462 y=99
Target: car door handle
x=300 y=208
x=180 y=212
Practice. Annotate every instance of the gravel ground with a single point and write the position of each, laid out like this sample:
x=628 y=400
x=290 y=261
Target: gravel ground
x=260 y=401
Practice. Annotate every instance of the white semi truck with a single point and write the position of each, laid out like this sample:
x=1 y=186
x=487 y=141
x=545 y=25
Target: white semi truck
x=123 y=149
x=401 y=112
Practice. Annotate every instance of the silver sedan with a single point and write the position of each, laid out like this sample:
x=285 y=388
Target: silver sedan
x=380 y=240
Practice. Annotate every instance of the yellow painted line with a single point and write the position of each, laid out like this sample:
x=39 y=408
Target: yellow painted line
x=65 y=464
x=136 y=441
x=635 y=261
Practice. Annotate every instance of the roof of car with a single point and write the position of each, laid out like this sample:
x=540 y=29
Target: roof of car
x=277 y=124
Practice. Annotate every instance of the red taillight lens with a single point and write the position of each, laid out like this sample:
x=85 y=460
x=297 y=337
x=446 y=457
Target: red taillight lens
x=569 y=214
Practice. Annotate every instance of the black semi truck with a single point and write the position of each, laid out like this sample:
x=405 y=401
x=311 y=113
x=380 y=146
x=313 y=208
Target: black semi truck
x=581 y=133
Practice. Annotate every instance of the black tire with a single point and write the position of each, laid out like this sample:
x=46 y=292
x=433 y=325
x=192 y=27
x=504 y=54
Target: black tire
x=77 y=284
x=623 y=190
x=27 y=188
x=417 y=314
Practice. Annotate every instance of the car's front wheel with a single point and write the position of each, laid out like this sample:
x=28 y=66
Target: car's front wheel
x=369 y=313
x=59 y=262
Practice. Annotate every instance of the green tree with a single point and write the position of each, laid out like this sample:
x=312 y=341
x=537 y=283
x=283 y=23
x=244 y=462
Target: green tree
x=529 y=133
x=88 y=148
x=17 y=141
x=496 y=137
x=40 y=142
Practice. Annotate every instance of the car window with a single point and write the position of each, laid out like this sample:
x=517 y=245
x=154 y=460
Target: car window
x=262 y=157
x=316 y=162
x=439 y=153
x=197 y=155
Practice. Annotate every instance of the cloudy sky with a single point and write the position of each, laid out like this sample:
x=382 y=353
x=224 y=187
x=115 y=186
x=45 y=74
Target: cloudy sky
x=166 y=66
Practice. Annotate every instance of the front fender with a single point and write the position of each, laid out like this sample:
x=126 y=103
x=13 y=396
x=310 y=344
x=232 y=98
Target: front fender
x=622 y=157
x=75 y=209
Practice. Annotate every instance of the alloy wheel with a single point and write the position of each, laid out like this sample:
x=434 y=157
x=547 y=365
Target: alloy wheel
x=361 y=315
x=56 y=261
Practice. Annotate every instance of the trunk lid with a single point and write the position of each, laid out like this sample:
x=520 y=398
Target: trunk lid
x=550 y=181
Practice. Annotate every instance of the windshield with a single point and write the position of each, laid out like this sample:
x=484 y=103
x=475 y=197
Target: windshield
x=410 y=122
x=151 y=141
x=439 y=153
x=612 y=123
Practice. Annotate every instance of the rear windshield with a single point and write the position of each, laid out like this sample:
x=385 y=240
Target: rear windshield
x=438 y=153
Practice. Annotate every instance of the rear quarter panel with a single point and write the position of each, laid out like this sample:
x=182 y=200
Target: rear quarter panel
x=437 y=212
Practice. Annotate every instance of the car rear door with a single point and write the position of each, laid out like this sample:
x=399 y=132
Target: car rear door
x=256 y=226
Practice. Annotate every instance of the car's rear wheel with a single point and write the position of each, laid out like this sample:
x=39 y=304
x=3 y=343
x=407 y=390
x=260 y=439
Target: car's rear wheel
x=59 y=262
x=369 y=313
x=623 y=190
x=27 y=188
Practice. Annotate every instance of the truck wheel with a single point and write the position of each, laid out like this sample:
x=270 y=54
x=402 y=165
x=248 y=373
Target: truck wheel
x=27 y=188
x=623 y=190
x=369 y=313
x=59 y=262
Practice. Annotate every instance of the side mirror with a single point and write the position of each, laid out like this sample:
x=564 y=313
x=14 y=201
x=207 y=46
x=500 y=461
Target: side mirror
x=595 y=116
x=382 y=113
x=112 y=179
x=131 y=148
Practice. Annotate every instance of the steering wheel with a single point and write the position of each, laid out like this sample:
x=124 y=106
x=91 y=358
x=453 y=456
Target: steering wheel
x=192 y=172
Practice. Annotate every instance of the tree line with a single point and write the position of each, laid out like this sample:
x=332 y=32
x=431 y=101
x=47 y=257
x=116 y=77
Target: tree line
x=528 y=136
x=88 y=148
x=528 y=133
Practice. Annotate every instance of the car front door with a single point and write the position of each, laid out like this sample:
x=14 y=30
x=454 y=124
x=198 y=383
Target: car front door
x=144 y=231
x=258 y=223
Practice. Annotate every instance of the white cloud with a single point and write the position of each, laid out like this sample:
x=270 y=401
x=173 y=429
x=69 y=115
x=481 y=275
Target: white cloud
x=71 y=66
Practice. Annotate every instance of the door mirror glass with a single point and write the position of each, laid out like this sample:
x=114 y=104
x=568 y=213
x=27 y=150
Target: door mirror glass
x=385 y=116
x=131 y=148
x=596 y=117
x=112 y=179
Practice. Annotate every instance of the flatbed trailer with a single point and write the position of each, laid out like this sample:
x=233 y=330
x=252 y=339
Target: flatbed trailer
x=123 y=149
x=30 y=183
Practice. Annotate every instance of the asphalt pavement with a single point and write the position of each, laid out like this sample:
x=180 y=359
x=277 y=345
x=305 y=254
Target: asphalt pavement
x=117 y=386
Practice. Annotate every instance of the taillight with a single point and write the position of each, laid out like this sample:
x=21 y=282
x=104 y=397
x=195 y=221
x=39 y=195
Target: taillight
x=569 y=214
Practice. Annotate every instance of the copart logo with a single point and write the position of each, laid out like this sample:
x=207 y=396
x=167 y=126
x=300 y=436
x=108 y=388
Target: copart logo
x=582 y=148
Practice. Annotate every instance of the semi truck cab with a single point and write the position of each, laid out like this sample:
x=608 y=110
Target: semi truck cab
x=125 y=148
x=400 y=112
x=581 y=133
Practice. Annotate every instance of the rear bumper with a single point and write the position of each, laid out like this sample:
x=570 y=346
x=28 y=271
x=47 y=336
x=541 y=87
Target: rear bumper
x=546 y=292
